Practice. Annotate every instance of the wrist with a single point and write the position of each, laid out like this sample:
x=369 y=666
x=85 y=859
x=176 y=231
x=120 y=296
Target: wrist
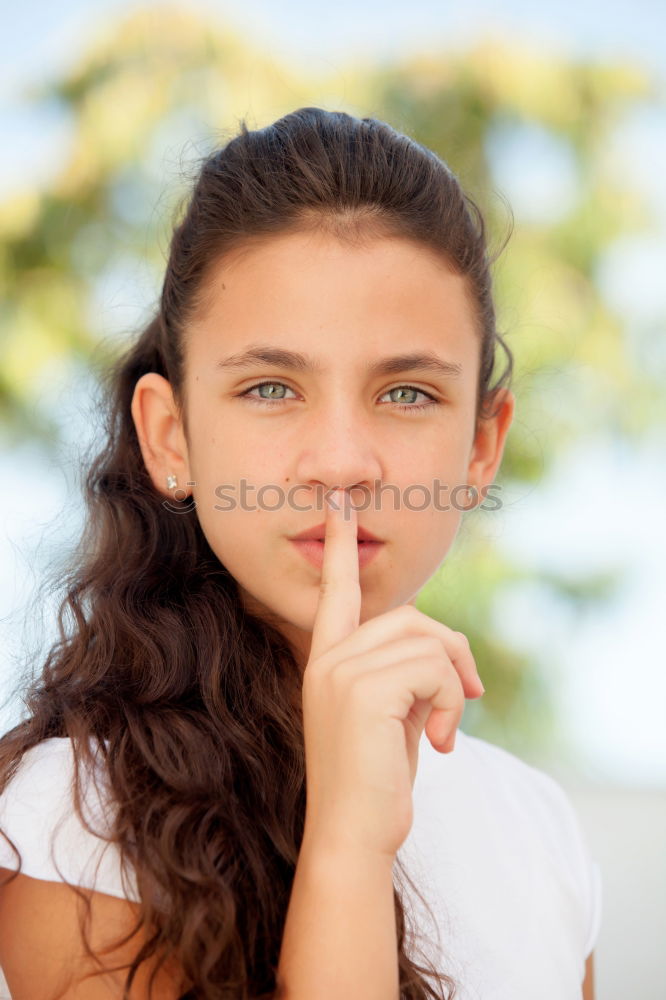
x=325 y=850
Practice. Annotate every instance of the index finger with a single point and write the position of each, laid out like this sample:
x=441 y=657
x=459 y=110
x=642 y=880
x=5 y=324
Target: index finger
x=339 y=607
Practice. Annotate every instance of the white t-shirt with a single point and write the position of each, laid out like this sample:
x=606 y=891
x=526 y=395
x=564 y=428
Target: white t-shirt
x=495 y=848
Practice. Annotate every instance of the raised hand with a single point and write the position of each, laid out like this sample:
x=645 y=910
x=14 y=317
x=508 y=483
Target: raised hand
x=368 y=692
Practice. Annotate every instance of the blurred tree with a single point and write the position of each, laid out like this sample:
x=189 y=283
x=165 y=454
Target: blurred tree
x=162 y=78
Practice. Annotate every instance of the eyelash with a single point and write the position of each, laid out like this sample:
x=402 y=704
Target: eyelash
x=400 y=406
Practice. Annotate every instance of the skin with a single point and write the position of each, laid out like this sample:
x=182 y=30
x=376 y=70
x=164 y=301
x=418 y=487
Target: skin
x=345 y=306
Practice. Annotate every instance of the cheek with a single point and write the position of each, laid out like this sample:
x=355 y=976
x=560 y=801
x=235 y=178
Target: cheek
x=249 y=543
x=228 y=458
x=427 y=521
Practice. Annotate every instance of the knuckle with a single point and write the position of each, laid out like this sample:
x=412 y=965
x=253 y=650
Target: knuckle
x=409 y=612
x=420 y=646
x=410 y=620
x=455 y=691
x=462 y=638
x=433 y=647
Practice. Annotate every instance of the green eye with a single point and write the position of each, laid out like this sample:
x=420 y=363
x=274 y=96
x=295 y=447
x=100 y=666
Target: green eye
x=277 y=399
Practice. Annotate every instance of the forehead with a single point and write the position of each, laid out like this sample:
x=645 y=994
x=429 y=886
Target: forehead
x=311 y=288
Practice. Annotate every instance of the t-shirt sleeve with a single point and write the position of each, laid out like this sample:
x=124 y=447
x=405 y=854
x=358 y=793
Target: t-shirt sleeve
x=590 y=876
x=594 y=922
x=37 y=813
x=567 y=838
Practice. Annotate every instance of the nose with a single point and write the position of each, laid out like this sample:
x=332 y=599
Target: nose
x=338 y=451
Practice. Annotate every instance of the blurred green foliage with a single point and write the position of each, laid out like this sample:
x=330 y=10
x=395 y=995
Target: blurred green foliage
x=159 y=81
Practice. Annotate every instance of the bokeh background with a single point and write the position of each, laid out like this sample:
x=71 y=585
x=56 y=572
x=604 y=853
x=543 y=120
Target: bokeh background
x=553 y=114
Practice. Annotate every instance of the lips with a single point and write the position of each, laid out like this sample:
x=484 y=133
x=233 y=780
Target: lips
x=313 y=550
x=318 y=532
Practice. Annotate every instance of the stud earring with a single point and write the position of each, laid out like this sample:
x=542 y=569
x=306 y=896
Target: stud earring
x=171 y=482
x=472 y=495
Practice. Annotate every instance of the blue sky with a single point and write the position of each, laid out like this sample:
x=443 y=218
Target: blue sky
x=605 y=504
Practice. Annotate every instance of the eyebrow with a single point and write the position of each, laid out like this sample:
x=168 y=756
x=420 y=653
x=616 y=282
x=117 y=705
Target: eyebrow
x=425 y=361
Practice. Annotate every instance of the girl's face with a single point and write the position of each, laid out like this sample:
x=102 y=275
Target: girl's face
x=261 y=459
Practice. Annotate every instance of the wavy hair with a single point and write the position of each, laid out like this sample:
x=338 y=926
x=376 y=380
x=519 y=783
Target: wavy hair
x=193 y=702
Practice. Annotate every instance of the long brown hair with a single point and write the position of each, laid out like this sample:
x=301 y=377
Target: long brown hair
x=192 y=701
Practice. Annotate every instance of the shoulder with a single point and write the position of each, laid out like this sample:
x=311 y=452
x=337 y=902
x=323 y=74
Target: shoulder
x=528 y=792
x=63 y=866
x=48 y=766
x=38 y=955
x=491 y=796
x=523 y=799
x=38 y=814
x=513 y=777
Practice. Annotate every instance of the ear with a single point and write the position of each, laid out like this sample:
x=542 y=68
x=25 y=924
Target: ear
x=160 y=432
x=488 y=446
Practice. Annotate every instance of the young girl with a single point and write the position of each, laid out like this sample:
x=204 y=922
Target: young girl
x=215 y=793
